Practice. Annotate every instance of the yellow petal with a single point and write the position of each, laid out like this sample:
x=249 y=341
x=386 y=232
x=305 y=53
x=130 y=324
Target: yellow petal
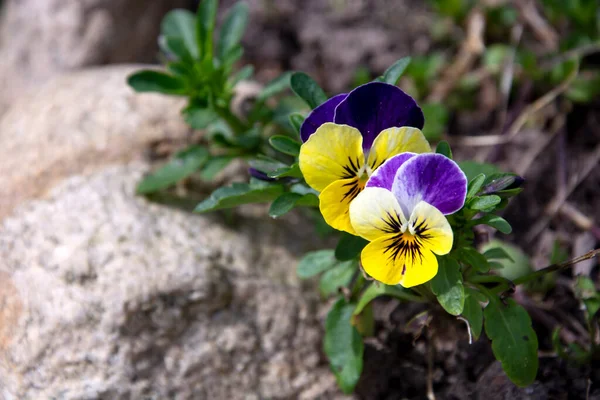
x=333 y=152
x=432 y=228
x=375 y=212
x=394 y=141
x=334 y=202
x=390 y=260
x=420 y=268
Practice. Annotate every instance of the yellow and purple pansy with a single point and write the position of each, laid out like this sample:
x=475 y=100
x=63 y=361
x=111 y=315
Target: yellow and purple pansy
x=402 y=213
x=349 y=136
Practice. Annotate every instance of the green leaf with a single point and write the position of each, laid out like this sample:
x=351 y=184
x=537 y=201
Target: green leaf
x=199 y=118
x=292 y=171
x=497 y=253
x=238 y=194
x=494 y=221
x=514 y=341
x=233 y=56
x=307 y=89
x=484 y=202
x=395 y=71
x=205 y=25
x=296 y=120
x=315 y=262
x=436 y=120
x=266 y=164
x=285 y=145
x=233 y=29
x=447 y=285
x=337 y=277
x=155 y=81
x=180 y=24
x=178 y=47
x=287 y=201
x=377 y=289
x=473 y=313
x=443 y=148
x=586 y=292
x=181 y=166
x=475 y=259
x=349 y=247
x=515 y=267
x=343 y=345
x=242 y=75
x=274 y=87
x=474 y=185
x=214 y=166
x=499 y=182
x=473 y=168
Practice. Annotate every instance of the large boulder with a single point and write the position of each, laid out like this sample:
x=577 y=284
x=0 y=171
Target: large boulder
x=76 y=123
x=42 y=38
x=107 y=296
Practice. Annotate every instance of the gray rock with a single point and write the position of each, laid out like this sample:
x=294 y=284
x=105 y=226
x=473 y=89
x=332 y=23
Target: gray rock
x=76 y=123
x=106 y=296
x=42 y=38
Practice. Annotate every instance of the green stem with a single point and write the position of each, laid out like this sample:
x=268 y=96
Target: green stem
x=488 y=279
x=424 y=292
x=489 y=293
x=359 y=283
x=237 y=126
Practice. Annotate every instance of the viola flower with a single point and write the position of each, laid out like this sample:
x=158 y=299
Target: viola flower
x=350 y=136
x=401 y=212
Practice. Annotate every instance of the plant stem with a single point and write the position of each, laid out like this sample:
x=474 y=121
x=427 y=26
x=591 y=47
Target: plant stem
x=424 y=292
x=488 y=279
x=237 y=126
x=556 y=267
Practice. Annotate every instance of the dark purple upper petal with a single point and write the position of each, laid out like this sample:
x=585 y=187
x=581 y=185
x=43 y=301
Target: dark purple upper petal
x=376 y=106
x=320 y=115
x=432 y=178
x=383 y=176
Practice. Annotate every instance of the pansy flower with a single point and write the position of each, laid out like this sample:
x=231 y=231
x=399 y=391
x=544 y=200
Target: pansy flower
x=402 y=213
x=350 y=136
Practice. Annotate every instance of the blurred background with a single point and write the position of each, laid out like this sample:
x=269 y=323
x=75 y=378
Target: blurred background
x=511 y=84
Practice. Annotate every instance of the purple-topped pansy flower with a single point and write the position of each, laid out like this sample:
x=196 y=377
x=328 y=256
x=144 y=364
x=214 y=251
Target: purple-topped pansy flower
x=402 y=213
x=350 y=136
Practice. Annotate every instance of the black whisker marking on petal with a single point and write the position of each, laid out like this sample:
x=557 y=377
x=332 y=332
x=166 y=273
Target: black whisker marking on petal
x=350 y=171
x=405 y=245
x=392 y=223
x=354 y=190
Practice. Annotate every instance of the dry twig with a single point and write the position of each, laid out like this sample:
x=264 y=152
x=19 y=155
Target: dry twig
x=532 y=109
x=471 y=48
x=560 y=198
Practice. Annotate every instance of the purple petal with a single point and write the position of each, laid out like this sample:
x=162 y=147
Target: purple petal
x=383 y=177
x=376 y=106
x=432 y=178
x=320 y=115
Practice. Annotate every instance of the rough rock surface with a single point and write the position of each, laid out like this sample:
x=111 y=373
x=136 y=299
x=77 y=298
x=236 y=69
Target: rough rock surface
x=42 y=38
x=111 y=297
x=78 y=122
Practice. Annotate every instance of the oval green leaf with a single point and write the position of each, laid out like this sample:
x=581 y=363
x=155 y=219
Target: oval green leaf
x=285 y=145
x=448 y=287
x=514 y=341
x=181 y=166
x=343 y=346
x=307 y=89
x=156 y=81
x=233 y=29
x=349 y=247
